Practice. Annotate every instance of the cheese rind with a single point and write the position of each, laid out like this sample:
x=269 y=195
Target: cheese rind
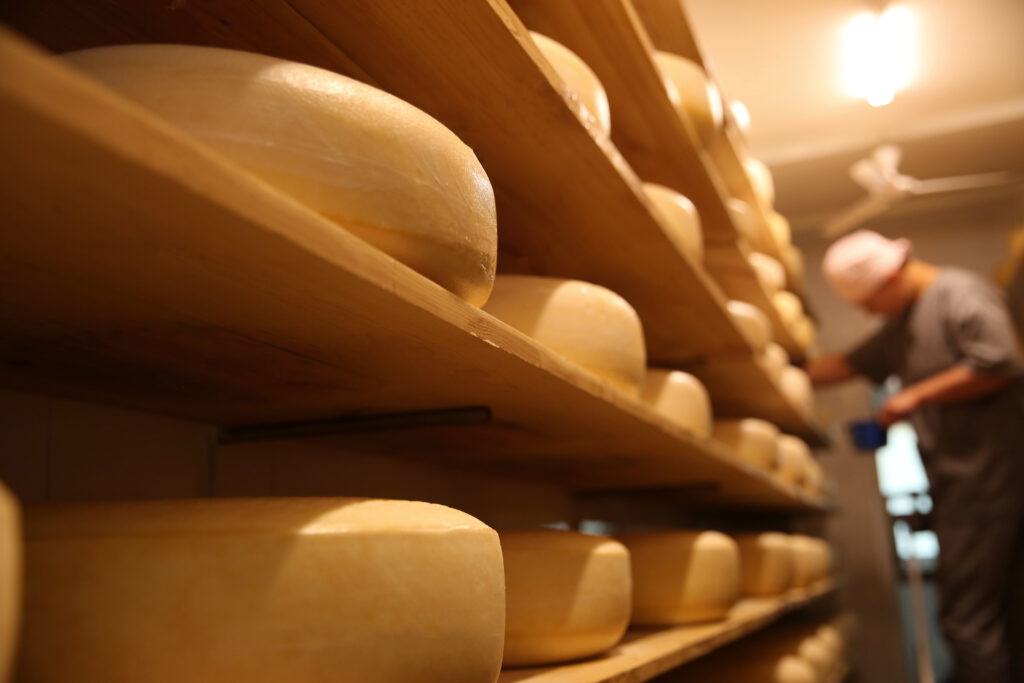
x=579 y=78
x=794 y=456
x=761 y=181
x=586 y=323
x=261 y=590
x=812 y=560
x=374 y=164
x=568 y=595
x=699 y=100
x=750 y=439
x=782 y=233
x=789 y=307
x=682 y=576
x=770 y=272
x=681 y=217
x=775 y=360
x=766 y=560
x=680 y=397
x=10 y=579
x=796 y=387
x=752 y=322
x=743 y=219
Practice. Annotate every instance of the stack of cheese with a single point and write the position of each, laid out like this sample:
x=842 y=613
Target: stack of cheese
x=773 y=563
x=797 y=465
x=370 y=162
x=581 y=83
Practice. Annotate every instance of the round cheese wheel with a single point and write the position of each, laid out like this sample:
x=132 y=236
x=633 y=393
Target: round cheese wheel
x=581 y=81
x=741 y=115
x=680 y=397
x=766 y=560
x=699 y=101
x=680 y=217
x=682 y=576
x=743 y=219
x=750 y=439
x=752 y=322
x=794 y=456
x=775 y=360
x=592 y=326
x=10 y=579
x=568 y=595
x=781 y=231
x=832 y=637
x=761 y=181
x=796 y=387
x=814 y=477
x=794 y=669
x=812 y=560
x=770 y=272
x=263 y=590
x=789 y=308
x=819 y=655
x=377 y=166
x=804 y=332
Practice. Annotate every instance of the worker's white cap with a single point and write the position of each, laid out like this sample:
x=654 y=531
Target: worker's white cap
x=860 y=263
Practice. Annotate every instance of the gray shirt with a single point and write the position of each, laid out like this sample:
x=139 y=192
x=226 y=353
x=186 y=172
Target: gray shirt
x=973 y=451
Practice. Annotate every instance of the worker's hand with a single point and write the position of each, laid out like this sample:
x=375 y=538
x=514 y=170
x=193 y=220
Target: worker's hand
x=899 y=406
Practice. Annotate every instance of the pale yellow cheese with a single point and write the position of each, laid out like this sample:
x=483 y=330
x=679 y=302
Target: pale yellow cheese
x=793 y=259
x=586 y=323
x=796 y=387
x=775 y=360
x=743 y=219
x=804 y=332
x=789 y=307
x=819 y=655
x=781 y=231
x=741 y=116
x=752 y=322
x=681 y=217
x=699 y=101
x=682 y=576
x=568 y=595
x=761 y=181
x=812 y=560
x=579 y=78
x=794 y=454
x=770 y=272
x=680 y=397
x=750 y=439
x=374 y=164
x=10 y=579
x=262 y=591
x=766 y=560
x=794 y=669
x=814 y=477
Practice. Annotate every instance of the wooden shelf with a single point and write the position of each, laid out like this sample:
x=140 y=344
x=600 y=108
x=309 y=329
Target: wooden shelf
x=646 y=653
x=142 y=270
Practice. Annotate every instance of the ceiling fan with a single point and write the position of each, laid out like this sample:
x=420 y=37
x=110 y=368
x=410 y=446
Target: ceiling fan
x=887 y=187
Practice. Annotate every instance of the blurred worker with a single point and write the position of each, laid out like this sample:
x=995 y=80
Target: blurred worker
x=949 y=338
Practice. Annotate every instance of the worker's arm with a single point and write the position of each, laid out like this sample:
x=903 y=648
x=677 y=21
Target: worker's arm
x=829 y=369
x=959 y=383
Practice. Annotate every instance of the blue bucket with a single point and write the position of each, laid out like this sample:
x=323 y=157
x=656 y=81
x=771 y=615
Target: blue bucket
x=868 y=435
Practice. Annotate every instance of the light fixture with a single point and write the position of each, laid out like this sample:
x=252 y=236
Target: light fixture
x=878 y=53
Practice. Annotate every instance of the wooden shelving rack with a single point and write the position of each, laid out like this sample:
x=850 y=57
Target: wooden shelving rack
x=140 y=269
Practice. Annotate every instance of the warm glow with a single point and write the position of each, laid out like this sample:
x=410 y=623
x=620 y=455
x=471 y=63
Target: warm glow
x=741 y=115
x=879 y=54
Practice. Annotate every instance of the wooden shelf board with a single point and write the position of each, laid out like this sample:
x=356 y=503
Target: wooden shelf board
x=568 y=203
x=668 y=26
x=646 y=653
x=143 y=270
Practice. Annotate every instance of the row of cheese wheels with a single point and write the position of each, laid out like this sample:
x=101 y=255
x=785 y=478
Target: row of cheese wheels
x=806 y=651
x=317 y=589
x=380 y=167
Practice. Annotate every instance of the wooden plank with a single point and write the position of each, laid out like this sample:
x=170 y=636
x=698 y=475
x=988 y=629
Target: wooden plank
x=668 y=26
x=142 y=270
x=568 y=203
x=646 y=653
x=658 y=144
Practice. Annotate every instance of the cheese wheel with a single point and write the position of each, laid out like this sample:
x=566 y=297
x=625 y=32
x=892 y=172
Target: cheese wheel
x=821 y=558
x=770 y=272
x=796 y=387
x=789 y=308
x=814 y=477
x=741 y=116
x=10 y=579
x=680 y=217
x=568 y=595
x=750 y=439
x=781 y=231
x=812 y=560
x=804 y=332
x=379 y=167
x=761 y=181
x=752 y=322
x=766 y=561
x=261 y=590
x=816 y=652
x=775 y=360
x=587 y=324
x=743 y=219
x=794 y=456
x=680 y=397
x=699 y=101
x=580 y=80
x=682 y=576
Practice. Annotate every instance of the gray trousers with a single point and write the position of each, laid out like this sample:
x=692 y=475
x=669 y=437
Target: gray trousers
x=981 y=593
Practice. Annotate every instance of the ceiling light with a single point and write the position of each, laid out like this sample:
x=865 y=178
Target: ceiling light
x=878 y=54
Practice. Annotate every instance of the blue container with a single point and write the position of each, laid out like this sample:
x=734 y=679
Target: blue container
x=868 y=435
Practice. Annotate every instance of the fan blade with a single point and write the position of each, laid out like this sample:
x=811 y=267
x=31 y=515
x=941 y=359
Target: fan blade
x=963 y=182
x=867 y=174
x=858 y=213
x=888 y=158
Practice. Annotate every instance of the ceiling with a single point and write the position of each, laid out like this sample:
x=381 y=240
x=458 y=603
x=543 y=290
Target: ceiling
x=963 y=112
